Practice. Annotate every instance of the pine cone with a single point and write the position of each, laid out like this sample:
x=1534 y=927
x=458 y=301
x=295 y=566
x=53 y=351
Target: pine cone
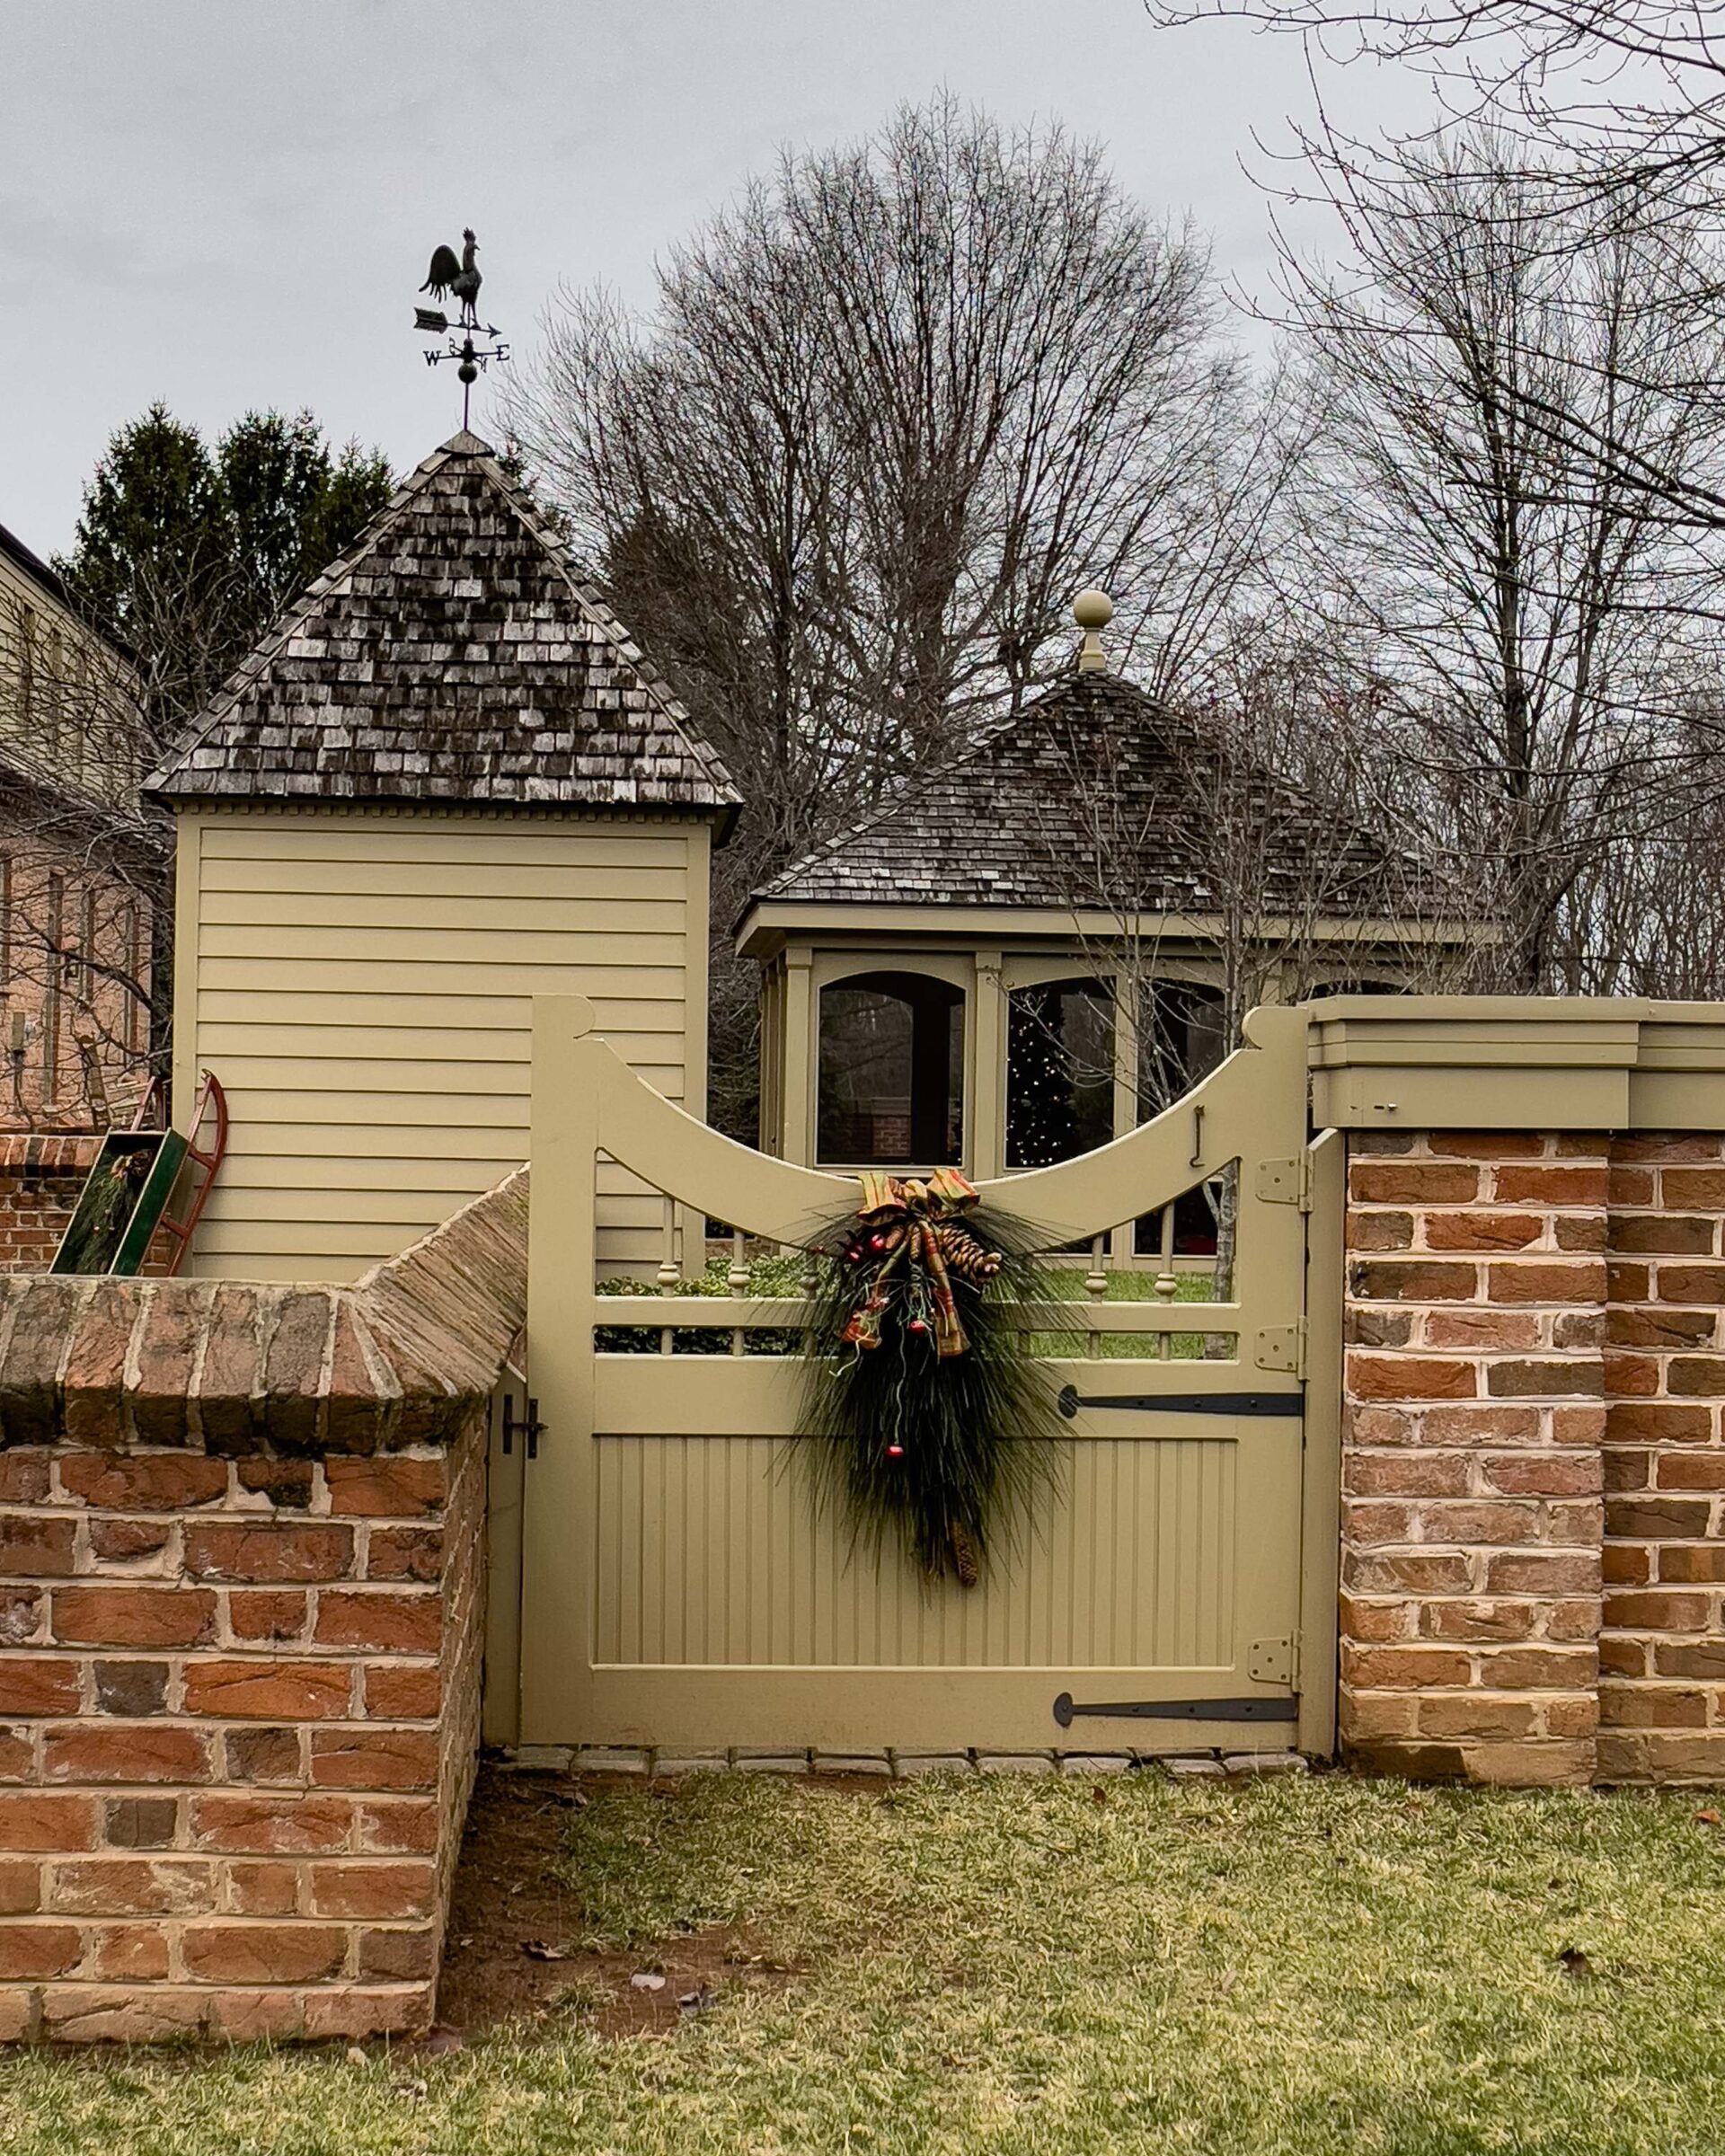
x=964 y=1555
x=963 y=1254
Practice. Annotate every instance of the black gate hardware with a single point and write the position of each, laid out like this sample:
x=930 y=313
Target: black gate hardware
x=529 y=1429
x=1181 y=1710
x=1184 y=1403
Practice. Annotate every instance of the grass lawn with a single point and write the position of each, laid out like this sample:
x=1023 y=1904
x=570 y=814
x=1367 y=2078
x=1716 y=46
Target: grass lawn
x=1001 y=1964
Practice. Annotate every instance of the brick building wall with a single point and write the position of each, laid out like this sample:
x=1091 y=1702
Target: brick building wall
x=241 y=1594
x=75 y=976
x=1532 y=1322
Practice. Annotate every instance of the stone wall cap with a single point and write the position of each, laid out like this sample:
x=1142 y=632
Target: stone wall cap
x=398 y=1359
x=1516 y=1063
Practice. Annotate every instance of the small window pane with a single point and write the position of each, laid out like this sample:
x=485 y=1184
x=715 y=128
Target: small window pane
x=891 y=1083
x=1059 y=1072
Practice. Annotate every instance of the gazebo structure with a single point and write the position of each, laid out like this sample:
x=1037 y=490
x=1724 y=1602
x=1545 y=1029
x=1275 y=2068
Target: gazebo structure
x=1032 y=949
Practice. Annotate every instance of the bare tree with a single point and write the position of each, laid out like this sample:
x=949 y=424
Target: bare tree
x=888 y=413
x=1634 y=88
x=1619 y=107
x=1507 y=583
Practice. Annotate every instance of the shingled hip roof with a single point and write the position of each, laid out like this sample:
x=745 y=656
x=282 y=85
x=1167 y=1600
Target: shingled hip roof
x=453 y=656
x=1094 y=795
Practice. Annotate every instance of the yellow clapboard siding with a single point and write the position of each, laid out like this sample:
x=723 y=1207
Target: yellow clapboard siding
x=464 y=878
x=446 y=1180
x=339 y=1054
x=326 y=1270
x=348 y=1143
x=301 y=1238
x=429 y=976
x=235 y=1230
x=471 y=1016
x=514 y=945
x=321 y=835
x=505 y=1108
x=411 y=1210
x=253 y=1078
x=506 y=914
x=362 y=986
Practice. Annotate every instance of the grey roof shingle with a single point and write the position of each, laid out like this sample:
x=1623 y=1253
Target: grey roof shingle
x=453 y=656
x=1095 y=795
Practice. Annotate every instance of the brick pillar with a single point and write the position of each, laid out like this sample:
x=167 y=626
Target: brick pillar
x=245 y=1694
x=242 y=1584
x=1662 y=1692
x=1474 y=1426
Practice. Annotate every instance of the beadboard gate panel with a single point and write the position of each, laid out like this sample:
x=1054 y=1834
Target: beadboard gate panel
x=679 y=1587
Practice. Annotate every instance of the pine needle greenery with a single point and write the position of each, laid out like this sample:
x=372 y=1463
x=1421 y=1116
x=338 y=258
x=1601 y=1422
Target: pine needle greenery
x=940 y=1453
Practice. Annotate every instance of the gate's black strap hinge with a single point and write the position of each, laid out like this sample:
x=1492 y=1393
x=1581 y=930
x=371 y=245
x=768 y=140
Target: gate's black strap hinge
x=1184 y=1403
x=529 y=1429
x=1180 y=1711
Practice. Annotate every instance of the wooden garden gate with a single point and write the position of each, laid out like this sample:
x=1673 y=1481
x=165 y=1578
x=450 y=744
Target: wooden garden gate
x=677 y=1586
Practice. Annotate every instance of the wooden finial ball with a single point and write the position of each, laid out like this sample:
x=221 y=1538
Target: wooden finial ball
x=1092 y=610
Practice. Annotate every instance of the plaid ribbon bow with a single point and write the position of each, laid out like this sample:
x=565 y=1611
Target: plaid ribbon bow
x=911 y=1223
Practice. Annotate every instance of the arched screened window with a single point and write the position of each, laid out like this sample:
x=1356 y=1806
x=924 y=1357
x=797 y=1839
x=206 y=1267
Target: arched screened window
x=891 y=1072
x=1059 y=1071
x=1182 y=1039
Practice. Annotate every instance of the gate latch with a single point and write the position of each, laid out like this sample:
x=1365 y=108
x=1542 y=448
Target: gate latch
x=529 y=1429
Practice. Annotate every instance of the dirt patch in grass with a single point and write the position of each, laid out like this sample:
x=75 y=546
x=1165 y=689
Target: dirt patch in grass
x=515 y=1951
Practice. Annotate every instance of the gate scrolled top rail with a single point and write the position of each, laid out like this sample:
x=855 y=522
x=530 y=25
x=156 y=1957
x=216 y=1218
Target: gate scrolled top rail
x=1073 y=1199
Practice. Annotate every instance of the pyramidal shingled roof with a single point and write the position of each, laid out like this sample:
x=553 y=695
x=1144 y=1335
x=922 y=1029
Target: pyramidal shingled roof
x=453 y=656
x=1095 y=795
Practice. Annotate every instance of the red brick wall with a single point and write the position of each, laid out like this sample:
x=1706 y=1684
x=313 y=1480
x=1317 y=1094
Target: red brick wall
x=240 y=1698
x=1531 y=1320
x=1662 y=1690
x=41 y=1177
x=1474 y=1425
x=242 y=1535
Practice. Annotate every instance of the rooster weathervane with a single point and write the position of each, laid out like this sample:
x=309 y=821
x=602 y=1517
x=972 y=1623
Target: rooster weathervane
x=457 y=277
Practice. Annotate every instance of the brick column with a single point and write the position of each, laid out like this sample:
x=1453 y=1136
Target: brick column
x=1662 y=1693
x=242 y=1551
x=232 y=1763
x=1473 y=1425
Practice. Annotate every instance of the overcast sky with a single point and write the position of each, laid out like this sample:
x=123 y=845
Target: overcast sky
x=229 y=203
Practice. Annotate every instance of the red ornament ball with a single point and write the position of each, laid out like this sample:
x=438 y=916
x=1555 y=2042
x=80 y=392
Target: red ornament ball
x=917 y=1325
x=895 y=1452
x=876 y=1242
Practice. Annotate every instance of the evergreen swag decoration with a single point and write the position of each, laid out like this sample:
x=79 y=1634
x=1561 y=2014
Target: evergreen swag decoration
x=934 y=1414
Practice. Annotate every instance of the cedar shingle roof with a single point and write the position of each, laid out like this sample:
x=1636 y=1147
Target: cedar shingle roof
x=1094 y=796
x=453 y=655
